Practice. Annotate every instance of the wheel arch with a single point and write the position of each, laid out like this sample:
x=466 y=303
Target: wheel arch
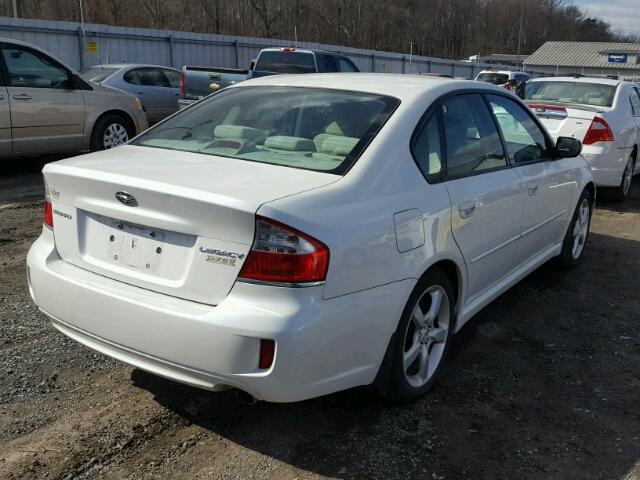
x=120 y=113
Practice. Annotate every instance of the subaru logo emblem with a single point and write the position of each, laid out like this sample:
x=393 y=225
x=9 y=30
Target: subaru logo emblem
x=127 y=199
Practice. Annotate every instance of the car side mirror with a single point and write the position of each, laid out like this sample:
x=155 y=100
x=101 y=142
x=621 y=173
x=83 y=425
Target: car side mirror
x=568 y=147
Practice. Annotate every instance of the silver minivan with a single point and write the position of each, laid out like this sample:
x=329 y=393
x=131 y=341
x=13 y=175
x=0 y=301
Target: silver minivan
x=45 y=107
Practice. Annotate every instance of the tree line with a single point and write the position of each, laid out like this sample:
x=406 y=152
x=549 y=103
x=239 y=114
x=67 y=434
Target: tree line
x=439 y=28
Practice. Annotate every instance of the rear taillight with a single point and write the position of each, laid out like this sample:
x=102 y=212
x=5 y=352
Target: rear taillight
x=182 y=84
x=48 y=214
x=599 y=131
x=281 y=254
x=47 y=218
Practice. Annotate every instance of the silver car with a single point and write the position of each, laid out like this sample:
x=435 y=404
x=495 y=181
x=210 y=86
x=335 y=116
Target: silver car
x=157 y=87
x=45 y=106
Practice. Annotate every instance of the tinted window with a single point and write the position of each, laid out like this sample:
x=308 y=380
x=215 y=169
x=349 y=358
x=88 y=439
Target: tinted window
x=309 y=128
x=524 y=140
x=286 y=62
x=635 y=101
x=345 y=65
x=97 y=74
x=427 y=149
x=173 y=77
x=495 y=78
x=132 y=77
x=31 y=69
x=571 y=92
x=326 y=63
x=472 y=141
x=152 y=77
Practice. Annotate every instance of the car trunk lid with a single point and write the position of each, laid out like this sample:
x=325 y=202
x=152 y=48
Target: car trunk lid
x=565 y=120
x=182 y=225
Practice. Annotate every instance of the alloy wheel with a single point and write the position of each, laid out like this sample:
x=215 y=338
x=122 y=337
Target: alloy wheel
x=581 y=228
x=114 y=135
x=426 y=336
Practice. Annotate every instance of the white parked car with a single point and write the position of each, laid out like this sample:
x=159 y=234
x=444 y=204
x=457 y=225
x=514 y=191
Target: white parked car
x=602 y=113
x=293 y=236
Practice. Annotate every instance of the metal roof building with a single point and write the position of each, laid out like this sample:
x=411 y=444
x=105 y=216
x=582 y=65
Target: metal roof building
x=615 y=59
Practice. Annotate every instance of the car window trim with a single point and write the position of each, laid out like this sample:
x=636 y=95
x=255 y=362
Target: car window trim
x=527 y=111
x=7 y=76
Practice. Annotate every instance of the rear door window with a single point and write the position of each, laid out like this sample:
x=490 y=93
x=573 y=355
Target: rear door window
x=173 y=77
x=472 y=141
x=345 y=65
x=152 y=77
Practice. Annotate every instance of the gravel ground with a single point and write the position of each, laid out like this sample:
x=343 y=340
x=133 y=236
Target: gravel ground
x=542 y=384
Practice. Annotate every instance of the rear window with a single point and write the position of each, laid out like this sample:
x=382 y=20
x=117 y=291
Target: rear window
x=491 y=77
x=307 y=128
x=286 y=62
x=97 y=74
x=571 y=92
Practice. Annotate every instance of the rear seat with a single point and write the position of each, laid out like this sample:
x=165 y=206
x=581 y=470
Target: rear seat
x=333 y=144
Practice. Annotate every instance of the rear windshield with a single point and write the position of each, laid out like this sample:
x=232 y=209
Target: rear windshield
x=308 y=128
x=571 y=92
x=495 y=78
x=286 y=62
x=97 y=74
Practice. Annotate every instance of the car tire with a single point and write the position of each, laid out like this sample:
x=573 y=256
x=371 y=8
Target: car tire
x=111 y=131
x=620 y=193
x=417 y=349
x=578 y=232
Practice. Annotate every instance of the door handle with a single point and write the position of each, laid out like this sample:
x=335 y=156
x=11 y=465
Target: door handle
x=532 y=187
x=467 y=208
x=22 y=96
x=140 y=93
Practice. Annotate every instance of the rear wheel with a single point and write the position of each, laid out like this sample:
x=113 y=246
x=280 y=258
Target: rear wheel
x=110 y=131
x=419 y=345
x=620 y=193
x=578 y=232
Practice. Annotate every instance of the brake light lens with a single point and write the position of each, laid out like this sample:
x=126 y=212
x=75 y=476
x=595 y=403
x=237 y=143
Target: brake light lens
x=288 y=49
x=281 y=254
x=599 y=131
x=182 y=84
x=48 y=214
x=47 y=217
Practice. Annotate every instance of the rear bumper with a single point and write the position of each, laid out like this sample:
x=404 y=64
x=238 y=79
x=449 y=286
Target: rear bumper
x=607 y=163
x=322 y=346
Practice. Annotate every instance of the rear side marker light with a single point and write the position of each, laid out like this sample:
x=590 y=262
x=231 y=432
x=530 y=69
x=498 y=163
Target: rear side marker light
x=283 y=255
x=48 y=214
x=267 y=352
x=599 y=131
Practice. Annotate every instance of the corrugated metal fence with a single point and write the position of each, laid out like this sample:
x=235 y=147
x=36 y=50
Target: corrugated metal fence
x=95 y=44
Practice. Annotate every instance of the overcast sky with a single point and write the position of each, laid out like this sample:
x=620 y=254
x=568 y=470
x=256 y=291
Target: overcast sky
x=622 y=15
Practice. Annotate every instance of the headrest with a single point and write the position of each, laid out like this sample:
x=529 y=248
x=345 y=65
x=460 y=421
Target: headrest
x=342 y=146
x=237 y=131
x=334 y=129
x=291 y=144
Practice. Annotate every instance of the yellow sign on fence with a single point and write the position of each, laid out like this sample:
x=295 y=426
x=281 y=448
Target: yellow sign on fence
x=92 y=46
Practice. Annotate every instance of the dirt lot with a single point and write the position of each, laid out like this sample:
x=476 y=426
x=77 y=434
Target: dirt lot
x=543 y=384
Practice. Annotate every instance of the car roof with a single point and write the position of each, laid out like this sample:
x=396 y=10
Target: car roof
x=604 y=81
x=129 y=65
x=489 y=70
x=402 y=86
x=302 y=50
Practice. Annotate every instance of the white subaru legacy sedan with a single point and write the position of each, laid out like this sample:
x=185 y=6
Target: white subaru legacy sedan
x=293 y=236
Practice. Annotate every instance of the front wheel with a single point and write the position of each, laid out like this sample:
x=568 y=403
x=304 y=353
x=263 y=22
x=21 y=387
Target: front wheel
x=109 y=132
x=578 y=232
x=419 y=345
